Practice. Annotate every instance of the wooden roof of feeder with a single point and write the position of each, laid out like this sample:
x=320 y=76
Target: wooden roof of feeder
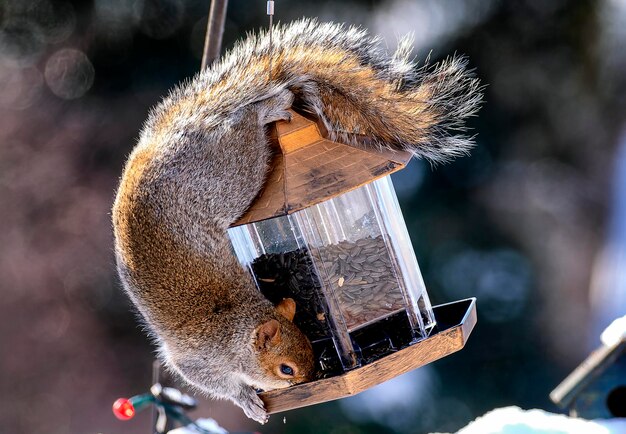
x=308 y=169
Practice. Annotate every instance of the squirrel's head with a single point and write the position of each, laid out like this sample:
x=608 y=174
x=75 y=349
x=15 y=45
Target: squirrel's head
x=285 y=355
x=280 y=354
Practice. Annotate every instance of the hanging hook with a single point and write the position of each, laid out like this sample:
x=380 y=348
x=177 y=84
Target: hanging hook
x=270 y=12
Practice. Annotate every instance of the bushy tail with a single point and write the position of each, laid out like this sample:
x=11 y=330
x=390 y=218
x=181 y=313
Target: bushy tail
x=353 y=85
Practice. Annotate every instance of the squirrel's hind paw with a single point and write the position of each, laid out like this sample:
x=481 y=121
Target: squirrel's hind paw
x=252 y=406
x=276 y=108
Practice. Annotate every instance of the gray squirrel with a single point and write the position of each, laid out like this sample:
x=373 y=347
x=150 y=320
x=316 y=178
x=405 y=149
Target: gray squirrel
x=202 y=158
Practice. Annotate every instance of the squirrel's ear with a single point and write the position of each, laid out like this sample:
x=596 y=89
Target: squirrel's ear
x=287 y=308
x=268 y=334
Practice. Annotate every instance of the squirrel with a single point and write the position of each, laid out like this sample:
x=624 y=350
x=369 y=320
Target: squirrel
x=201 y=159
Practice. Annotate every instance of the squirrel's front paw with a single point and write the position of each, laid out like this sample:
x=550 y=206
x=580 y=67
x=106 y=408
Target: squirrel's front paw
x=252 y=406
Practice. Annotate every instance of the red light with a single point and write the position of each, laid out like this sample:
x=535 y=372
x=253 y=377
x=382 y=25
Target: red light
x=123 y=409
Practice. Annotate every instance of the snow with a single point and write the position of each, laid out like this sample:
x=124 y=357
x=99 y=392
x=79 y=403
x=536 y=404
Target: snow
x=208 y=424
x=514 y=420
x=615 y=332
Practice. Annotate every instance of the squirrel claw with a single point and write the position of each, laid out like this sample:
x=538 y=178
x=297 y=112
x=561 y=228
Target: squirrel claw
x=283 y=116
x=278 y=115
x=254 y=408
x=276 y=108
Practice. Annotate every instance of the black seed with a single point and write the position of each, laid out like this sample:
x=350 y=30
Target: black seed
x=363 y=278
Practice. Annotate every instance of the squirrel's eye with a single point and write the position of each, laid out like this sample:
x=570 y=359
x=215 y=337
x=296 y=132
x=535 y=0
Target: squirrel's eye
x=286 y=369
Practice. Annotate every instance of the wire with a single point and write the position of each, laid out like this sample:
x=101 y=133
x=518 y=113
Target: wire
x=270 y=12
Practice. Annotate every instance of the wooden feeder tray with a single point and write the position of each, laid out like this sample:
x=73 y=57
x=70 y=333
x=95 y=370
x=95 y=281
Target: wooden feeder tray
x=455 y=322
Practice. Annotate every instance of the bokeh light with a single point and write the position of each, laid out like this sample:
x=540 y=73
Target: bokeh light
x=21 y=42
x=431 y=22
x=159 y=18
x=20 y=87
x=387 y=402
x=500 y=279
x=56 y=20
x=69 y=73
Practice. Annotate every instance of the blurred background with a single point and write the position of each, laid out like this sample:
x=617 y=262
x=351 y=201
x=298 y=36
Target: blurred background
x=533 y=223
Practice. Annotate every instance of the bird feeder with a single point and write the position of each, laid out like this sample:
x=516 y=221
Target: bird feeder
x=327 y=231
x=596 y=389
